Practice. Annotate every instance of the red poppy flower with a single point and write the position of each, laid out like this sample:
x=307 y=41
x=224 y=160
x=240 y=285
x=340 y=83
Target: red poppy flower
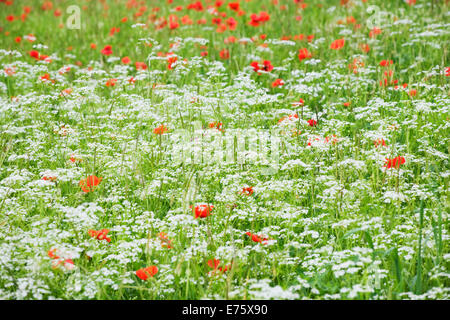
x=203 y=210
x=197 y=6
x=111 y=82
x=165 y=242
x=52 y=253
x=74 y=159
x=126 y=60
x=113 y=31
x=380 y=142
x=277 y=83
x=140 y=65
x=173 y=25
x=375 y=31
x=100 y=234
x=395 y=162
x=67 y=263
x=217 y=125
x=234 y=6
x=385 y=63
x=89 y=184
x=10 y=71
x=365 y=47
x=255 y=19
x=337 y=44
x=46 y=77
x=47 y=5
x=303 y=54
x=34 y=54
x=49 y=178
x=224 y=54
x=267 y=66
x=160 y=129
x=255 y=66
x=107 y=50
x=290 y=117
x=312 y=122
x=232 y=23
x=264 y=16
x=256 y=238
x=247 y=191
x=230 y=39
x=213 y=263
x=170 y=61
x=144 y=273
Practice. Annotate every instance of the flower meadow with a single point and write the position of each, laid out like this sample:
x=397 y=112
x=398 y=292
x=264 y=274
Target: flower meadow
x=252 y=149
